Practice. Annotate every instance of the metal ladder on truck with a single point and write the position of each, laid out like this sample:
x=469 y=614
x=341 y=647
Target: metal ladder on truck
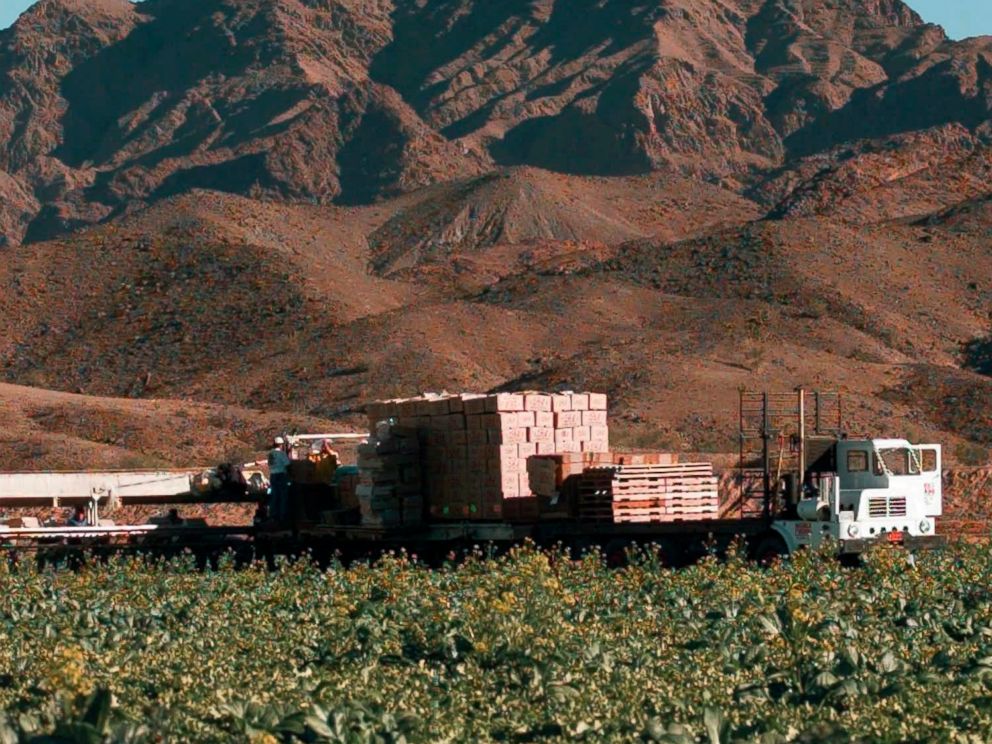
x=779 y=435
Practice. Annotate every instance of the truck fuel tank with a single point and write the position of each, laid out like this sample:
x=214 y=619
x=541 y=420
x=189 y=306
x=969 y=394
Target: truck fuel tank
x=813 y=510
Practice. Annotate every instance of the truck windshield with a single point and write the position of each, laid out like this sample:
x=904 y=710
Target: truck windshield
x=897 y=461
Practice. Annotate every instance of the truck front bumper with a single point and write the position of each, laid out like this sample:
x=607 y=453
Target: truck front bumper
x=908 y=542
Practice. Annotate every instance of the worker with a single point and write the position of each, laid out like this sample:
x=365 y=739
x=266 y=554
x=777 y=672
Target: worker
x=278 y=479
x=326 y=460
x=78 y=518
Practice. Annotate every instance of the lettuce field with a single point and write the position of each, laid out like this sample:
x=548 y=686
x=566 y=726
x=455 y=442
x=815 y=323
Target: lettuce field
x=524 y=647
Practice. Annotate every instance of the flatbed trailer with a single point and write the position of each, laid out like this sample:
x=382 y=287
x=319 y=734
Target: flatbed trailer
x=673 y=542
x=814 y=486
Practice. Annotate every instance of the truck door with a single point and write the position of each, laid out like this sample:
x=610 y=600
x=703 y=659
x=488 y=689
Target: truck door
x=855 y=474
x=932 y=487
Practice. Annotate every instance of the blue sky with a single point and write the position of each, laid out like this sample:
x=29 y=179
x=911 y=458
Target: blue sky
x=961 y=18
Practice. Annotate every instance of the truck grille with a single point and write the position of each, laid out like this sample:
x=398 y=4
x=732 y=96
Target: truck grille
x=880 y=507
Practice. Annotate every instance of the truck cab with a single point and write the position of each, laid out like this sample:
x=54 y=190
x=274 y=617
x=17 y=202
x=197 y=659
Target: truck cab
x=863 y=491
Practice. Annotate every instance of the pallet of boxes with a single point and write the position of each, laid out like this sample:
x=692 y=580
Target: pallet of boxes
x=474 y=449
x=389 y=489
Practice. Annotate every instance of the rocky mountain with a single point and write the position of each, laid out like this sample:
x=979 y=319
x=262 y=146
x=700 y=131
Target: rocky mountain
x=107 y=106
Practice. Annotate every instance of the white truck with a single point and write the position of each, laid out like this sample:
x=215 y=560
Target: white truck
x=867 y=490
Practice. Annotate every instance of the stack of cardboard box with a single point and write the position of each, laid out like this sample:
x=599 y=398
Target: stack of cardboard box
x=389 y=489
x=475 y=447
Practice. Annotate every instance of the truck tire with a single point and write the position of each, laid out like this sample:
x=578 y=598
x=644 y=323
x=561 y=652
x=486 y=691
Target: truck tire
x=616 y=553
x=770 y=550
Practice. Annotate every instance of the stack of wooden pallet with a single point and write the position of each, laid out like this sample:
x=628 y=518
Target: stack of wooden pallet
x=649 y=493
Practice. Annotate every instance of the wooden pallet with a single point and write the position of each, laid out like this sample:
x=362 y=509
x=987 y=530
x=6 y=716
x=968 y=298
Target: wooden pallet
x=667 y=503
x=648 y=493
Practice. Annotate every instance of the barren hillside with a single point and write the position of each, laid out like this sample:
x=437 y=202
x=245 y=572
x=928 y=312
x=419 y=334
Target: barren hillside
x=299 y=205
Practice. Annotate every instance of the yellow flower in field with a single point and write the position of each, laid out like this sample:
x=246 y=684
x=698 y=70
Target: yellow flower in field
x=71 y=670
x=505 y=604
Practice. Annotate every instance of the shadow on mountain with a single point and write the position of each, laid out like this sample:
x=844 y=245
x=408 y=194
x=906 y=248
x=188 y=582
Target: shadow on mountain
x=886 y=110
x=424 y=39
x=604 y=142
x=978 y=355
x=238 y=176
x=371 y=159
x=169 y=53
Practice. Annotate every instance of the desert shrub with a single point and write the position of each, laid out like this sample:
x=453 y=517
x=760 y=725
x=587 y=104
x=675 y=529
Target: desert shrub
x=971 y=454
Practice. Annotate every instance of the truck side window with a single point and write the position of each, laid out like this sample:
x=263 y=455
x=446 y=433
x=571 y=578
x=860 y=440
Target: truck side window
x=929 y=459
x=857 y=461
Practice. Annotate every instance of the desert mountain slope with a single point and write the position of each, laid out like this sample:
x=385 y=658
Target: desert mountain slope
x=228 y=300
x=49 y=430
x=106 y=107
x=300 y=205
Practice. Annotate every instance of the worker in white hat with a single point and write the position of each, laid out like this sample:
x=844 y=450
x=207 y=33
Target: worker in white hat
x=278 y=479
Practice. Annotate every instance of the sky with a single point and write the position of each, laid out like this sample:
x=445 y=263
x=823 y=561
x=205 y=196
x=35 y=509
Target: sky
x=960 y=18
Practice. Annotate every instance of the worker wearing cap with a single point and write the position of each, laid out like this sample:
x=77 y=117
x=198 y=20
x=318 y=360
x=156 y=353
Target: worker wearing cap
x=278 y=479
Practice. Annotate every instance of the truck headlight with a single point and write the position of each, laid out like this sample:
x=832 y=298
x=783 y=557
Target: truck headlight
x=852 y=530
x=925 y=526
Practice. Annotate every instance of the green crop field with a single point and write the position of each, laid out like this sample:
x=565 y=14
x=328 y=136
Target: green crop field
x=520 y=648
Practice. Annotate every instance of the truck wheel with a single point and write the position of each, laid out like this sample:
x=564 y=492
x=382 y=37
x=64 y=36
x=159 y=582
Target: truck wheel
x=770 y=550
x=616 y=553
x=663 y=553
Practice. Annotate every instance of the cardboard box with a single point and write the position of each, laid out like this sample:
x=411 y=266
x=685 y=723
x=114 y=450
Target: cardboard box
x=568 y=419
x=514 y=436
x=593 y=418
x=476 y=436
x=597 y=401
x=526 y=419
x=547 y=436
x=529 y=449
x=475 y=406
x=537 y=402
x=505 y=402
x=546 y=419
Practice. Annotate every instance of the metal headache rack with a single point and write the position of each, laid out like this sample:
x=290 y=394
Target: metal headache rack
x=780 y=434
